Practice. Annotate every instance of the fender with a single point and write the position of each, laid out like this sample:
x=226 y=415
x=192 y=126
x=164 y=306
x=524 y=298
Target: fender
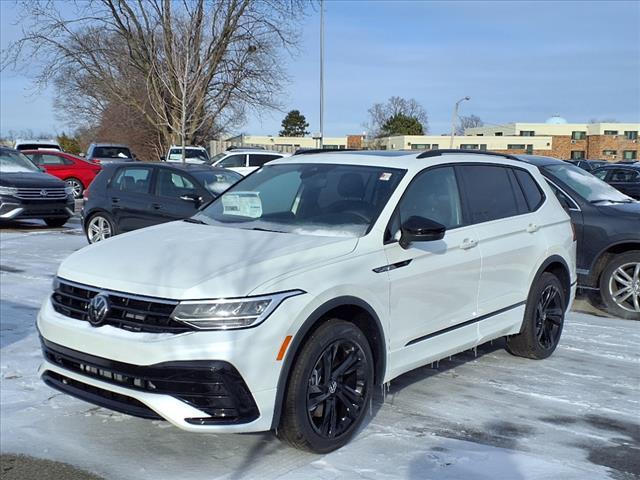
x=591 y=276
x=302 y=332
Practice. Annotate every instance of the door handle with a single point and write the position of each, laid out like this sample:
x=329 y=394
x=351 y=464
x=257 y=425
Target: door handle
x=468 y=243
x=156 y=206
x=115 y=200
x=532 y=228
x=115 y=203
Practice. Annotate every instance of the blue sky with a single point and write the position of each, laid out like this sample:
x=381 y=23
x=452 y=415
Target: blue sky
x=519 y=61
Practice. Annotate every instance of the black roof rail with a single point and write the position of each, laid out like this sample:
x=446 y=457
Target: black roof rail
x=437 y=153
x=308 y=151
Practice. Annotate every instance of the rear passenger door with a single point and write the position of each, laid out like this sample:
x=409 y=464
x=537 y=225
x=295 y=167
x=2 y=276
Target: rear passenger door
x=171 y=186
x=129 y=195
x=502 y=202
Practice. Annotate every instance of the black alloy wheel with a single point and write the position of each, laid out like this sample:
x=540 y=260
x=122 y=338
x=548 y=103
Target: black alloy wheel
x=549 y=317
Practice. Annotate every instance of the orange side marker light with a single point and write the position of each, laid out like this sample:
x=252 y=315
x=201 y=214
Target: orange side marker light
x=283 y=347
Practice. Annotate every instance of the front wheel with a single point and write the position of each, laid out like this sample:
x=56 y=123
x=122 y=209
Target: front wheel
x=620 y=286
x=543 y=320
x=100 y=227
x=329 y=388
x=76 y=185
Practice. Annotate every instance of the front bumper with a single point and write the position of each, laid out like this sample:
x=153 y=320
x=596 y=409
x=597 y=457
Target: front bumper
x=12 y=208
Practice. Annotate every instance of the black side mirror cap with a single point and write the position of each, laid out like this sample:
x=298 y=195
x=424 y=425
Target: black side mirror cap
x=420 y=229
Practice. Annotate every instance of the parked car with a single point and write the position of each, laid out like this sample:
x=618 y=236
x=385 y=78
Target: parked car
x=623 y=176
x=26 y=192
x=22 y=144
x=196 y=155
x=126 y=197
x=245 y=160
x=76 y=172
x=109 y=153
x=281 y=304
x=588 y=165
x=607 y=224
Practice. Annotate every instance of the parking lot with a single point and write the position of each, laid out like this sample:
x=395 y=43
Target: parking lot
x=486 y=414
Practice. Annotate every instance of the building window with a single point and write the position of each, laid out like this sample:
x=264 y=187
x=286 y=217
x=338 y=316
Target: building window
x=577 y=154
x=420 y=146
x=483 y=146
x=630 y=155
x=609 y=152
x=578 y=135
x=527 y=133
x=611 y=132
x=434 y=146
x=479 y=134
x=631 y=134
x=516 y=146
x=469 y=146
x=529 y=148
x=498 y=134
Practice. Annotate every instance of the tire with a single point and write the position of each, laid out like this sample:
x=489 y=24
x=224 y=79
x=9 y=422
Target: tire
x=77 y=186
x=622 y=276
x=543 y=320
x=322 y=412
x=99 y=227
x=56 y=222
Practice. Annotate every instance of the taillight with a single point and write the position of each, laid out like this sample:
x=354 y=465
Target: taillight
x=85 y=194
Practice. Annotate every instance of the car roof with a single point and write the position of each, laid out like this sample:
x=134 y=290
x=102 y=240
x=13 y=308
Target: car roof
x=188 y=146
x=633 y=166
x=540 y=160
x=109 y=145
x=187 y=167
x=252 y=150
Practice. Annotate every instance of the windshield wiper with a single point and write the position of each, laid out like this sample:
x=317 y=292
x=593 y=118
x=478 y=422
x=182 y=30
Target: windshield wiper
x=194 y=220
x=267 y=230
x=600 y=200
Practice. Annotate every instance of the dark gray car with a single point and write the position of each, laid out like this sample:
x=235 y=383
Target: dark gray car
x=109 y=152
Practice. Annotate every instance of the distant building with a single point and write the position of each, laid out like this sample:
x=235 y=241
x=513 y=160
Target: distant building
x=293 y=143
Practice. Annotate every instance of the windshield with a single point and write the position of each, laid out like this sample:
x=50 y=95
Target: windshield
x=112 y=152
x=217 y=182
x=307 y=199
x=217 y=157
x=176 y=154
x=14 y=162
x=590 y=188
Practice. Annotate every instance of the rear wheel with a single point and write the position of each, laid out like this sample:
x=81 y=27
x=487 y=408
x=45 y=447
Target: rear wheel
x=620 y=286
x=543 y=320
x=100 y=227
x=56 y=222
x=76 y=185
x=329 y=388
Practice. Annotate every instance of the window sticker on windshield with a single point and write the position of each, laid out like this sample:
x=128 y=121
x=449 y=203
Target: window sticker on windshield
x=385 y=177
x=242 y=204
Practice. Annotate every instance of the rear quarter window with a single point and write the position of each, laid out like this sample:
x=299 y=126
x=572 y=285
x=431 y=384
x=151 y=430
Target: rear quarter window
x=530 y=188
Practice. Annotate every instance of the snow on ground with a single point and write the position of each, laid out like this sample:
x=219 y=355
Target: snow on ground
x=494 y=416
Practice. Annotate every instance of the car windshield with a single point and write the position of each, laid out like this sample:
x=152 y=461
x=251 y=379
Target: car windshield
x=176 y=154
x=590 y=188
x=217 y=182
x=15 y=162
x=217 y=157
x=306 y=199
x=112 y=152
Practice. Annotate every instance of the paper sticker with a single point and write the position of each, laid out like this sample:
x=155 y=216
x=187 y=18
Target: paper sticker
x=242 y=204
x=385 y=177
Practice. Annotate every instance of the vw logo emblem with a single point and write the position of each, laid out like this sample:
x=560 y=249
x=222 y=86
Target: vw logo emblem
x=43 y=193
x=333 y=386
x=98 y=309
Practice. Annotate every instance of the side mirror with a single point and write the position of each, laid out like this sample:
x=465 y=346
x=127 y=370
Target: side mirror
x=196 y=199
x=81 y=154
x=163 y=158
x=420 y=229
x=42 y=169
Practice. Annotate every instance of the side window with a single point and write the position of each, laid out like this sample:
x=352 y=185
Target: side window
x=54 y=160
x=35 y=158
x=433 y=194
x=233 y=161
x=489 y=192
x=601 y=174
x=256 y=160
x=530 y=188
x=623 y=176
x=132 y=179
x=173 y=184
x=565 y=200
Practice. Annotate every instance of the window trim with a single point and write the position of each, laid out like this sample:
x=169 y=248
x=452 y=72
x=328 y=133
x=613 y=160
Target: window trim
x=577 y=209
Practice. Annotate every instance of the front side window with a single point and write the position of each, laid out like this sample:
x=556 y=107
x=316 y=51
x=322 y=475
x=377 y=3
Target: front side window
x=218 y=181
x=233 y=161
x=587 y=186
x=132 y=180
x=490 y=192
x=624 y=175
x=601 y=174
x=257 y=160
x=311 y=199
x=173 y=184
x=15 y=162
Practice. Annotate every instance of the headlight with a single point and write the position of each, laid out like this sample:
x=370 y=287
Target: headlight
x=8 y=191
x=225 y=314
x=68 y=190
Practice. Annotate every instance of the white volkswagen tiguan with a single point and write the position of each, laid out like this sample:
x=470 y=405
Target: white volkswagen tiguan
x=285 y=301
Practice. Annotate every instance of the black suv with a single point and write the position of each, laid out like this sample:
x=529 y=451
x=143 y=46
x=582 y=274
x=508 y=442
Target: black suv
x=126 y=196
x=26 y=192
x=607 y=224
x=624 y=177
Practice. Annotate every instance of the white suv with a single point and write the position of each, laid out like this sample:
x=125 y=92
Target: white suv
x=336 y=273
x=245 y=160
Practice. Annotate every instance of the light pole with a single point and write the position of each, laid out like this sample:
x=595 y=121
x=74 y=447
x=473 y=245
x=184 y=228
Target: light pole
x=455 y=118
x=321 y=74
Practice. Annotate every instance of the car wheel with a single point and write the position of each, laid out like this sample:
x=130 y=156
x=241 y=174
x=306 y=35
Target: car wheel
x=56 y=222
x=77 y=186
x=329 y=388
x=620 y=286
x=100 y=227
x=543 y=320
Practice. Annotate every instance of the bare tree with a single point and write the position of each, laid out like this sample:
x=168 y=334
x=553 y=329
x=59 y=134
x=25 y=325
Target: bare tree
x=469 y=121
x=189 y=68
x=380 y=113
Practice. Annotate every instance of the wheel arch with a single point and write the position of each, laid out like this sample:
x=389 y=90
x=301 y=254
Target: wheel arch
x=350 y=309
x=558 y=266
x=603 y=257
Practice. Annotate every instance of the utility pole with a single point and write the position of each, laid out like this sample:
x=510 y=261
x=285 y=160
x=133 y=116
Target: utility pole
x=454 y=118
x=321 y=73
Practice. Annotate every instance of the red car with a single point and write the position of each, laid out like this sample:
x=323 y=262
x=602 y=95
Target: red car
x=75 y=171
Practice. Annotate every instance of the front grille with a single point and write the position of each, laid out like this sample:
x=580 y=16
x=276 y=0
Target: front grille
x=128 y=312
x=214 y=387
x=55 y=193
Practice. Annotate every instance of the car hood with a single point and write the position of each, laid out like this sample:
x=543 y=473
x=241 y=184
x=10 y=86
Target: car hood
x=30 y=180
x=181 y=260
x=621 y=209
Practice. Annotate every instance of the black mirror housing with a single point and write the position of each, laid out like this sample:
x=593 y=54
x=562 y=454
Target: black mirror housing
x=420 y=229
